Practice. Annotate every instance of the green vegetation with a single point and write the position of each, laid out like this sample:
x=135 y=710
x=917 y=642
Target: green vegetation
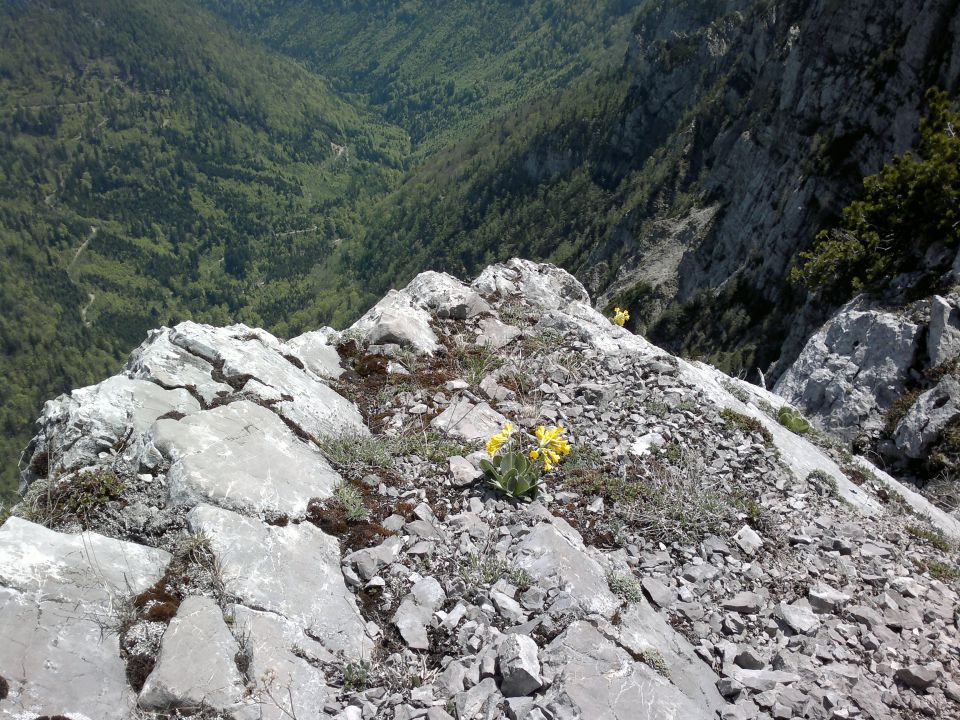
x=745 y=424
x=931 y=536
x=349 y=497
x=156 y=166
x=486 y=569
x=53 y=503
x=912 y=204
x=793 y=420
x=626 y=587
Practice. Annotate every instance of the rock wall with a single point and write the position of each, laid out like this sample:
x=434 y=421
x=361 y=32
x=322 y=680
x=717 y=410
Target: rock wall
x=768 y=115
x=241 y=527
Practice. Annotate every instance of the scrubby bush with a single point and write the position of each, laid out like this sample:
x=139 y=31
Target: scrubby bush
x=907 y=207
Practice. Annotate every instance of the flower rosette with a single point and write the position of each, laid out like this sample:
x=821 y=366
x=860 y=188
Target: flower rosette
x=515 y=470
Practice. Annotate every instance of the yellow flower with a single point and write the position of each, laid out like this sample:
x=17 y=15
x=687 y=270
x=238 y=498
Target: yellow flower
x=497 y=441
x=620 y=317
x=550 y=446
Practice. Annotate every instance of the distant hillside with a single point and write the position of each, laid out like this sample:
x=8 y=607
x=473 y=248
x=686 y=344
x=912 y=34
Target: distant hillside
x=442 y=68
x=155 y=166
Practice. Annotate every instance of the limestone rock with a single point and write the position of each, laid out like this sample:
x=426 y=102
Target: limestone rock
x=196 y=663
x=469 y=421
x=416 y=610
x=594 y=678
x=280 y=657
x=243 y=457
x=928 y=417
x=58 y=599
x=555 y=551
x=317 y=354
x=853 y=369
x=943 y=335
x=519 y=666
x=292 y=570
x=78 y=426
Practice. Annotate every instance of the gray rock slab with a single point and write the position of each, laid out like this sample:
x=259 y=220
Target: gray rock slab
x=396 y=319
x=519 y=663
x=57 y=599
x=57 y=661
x=470 y=704
x=369 y=561
x=445 y=296
x=469 y=421
x=75 y=428
x=555 y=550
x=293 y=571
x=744 y=602
x=243 y=353
x=928 y=417
x=799 y=616
x=287 y=684
x=170 y=365
x=594 y=678
x=197 y=663
x=243 y=457
x=87 y=568
x=943 y=335
x=315 y=351
x=852 y=369
x=495 y=334
x=643 y=629
x=416 y=610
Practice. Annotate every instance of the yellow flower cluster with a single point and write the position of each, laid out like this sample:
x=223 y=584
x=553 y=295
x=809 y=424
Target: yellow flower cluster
x=620 y=317
x=497 y=441
x=550 y=446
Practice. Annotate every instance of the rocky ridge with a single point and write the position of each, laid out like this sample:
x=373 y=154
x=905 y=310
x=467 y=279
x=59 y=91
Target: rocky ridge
x=884 y=378
x=241 y=527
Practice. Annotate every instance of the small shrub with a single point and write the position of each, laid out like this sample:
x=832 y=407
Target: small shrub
x=428 y=444
x=351 y=500
x=486 y=569
x=625 y=586
x=746 y=424
x=356 y=675
x=938 y=570
x=898 y=410
x=655 y=660
x=931 y=536
x=825 y=481
x=738 y=392
x=793 y=420
x=356 y=451
x=51 y=502
x=476 y=362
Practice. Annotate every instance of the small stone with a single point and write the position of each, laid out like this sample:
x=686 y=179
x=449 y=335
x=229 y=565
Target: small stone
x=463 y=471
x=825 y=599
x=799 y=616
x=748 y=540
x=916 y=676
x=519 y=666
x=729 y=687
x=744 y=602
x=659 y=594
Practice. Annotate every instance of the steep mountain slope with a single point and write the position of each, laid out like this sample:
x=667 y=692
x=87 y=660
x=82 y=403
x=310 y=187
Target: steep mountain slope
x=442 y=68
x=154 y=165
x=684 y=184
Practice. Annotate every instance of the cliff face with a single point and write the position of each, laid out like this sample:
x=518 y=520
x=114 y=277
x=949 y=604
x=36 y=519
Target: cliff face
x=243 y=527
x=766 y=116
